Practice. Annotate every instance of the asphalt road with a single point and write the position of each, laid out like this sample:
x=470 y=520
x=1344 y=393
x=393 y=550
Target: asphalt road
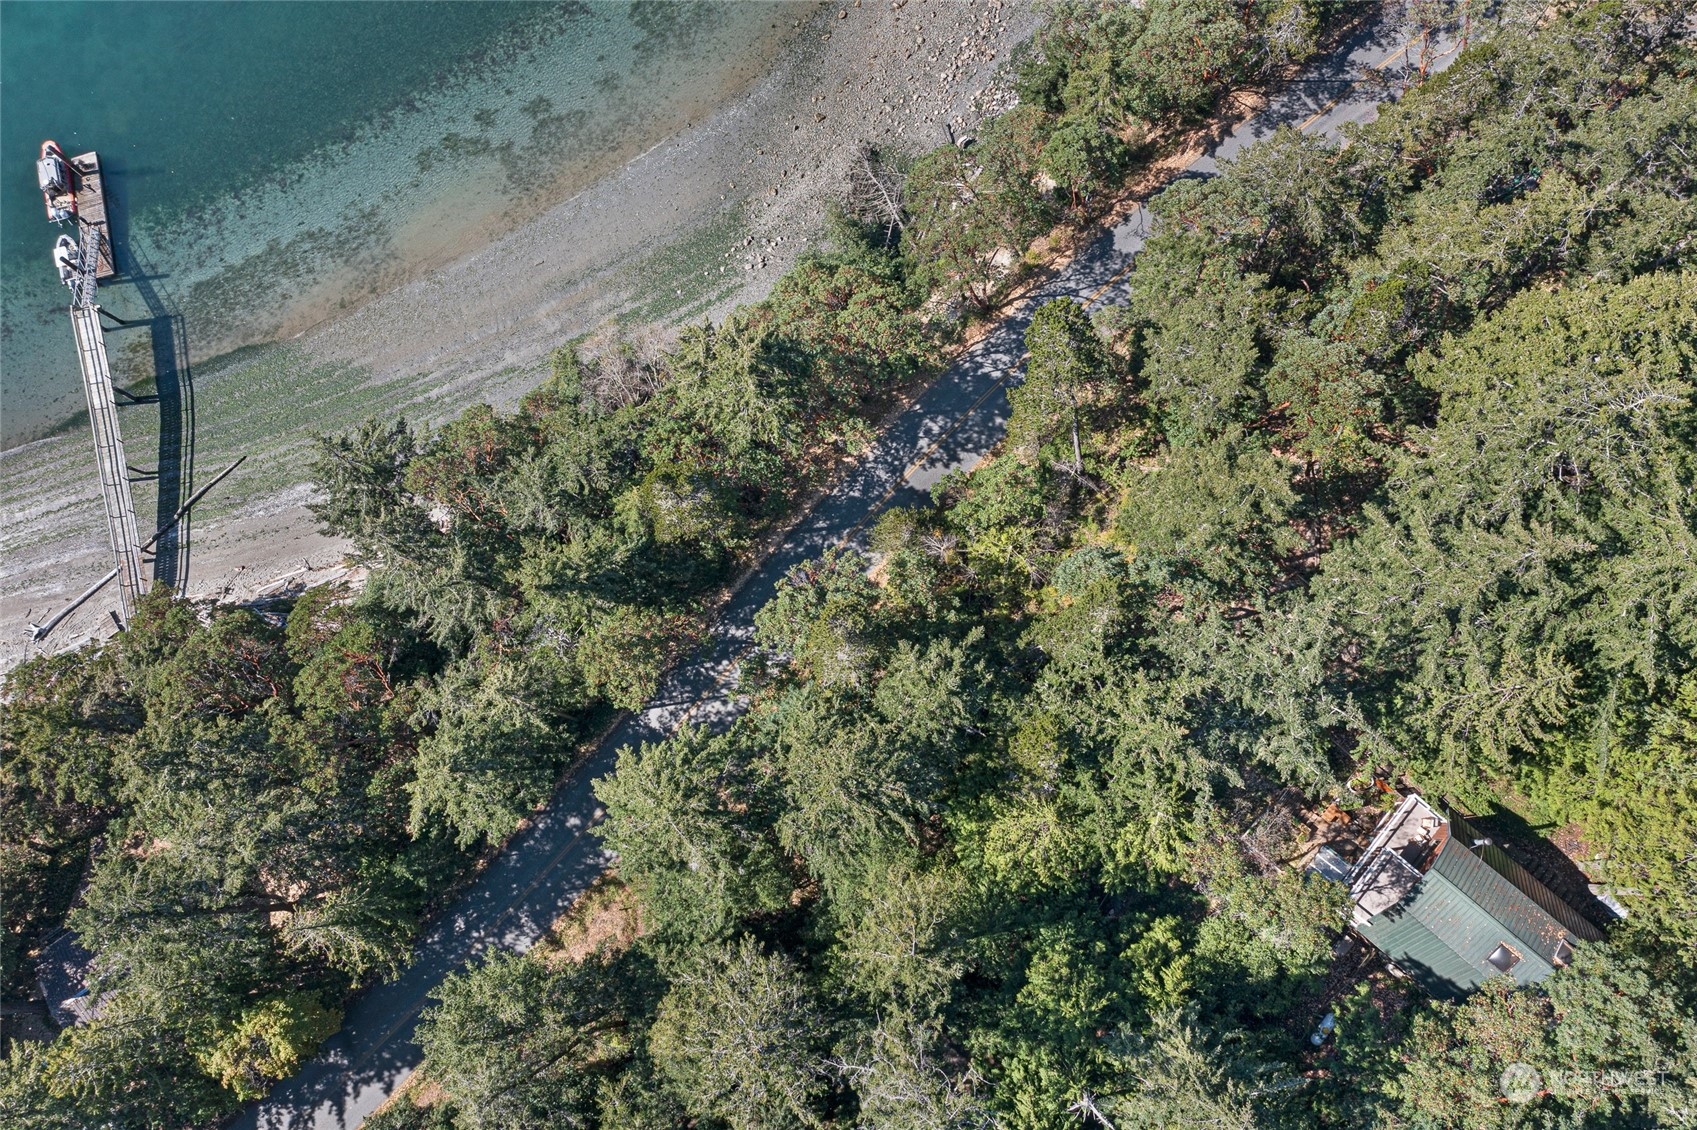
x=951 y=426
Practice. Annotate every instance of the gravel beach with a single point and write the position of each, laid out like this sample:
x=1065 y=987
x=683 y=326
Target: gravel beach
x=706 y=220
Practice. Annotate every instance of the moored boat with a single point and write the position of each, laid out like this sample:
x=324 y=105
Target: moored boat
x=53 y=174
x=67 y=257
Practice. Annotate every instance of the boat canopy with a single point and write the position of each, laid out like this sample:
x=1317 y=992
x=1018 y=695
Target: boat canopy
x=50 y=172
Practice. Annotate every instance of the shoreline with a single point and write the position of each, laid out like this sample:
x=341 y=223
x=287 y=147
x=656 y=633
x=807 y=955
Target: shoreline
x=561 y=99
x=480 y=328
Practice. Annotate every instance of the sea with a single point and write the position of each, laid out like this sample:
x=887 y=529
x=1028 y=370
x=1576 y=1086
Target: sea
x=269 y=164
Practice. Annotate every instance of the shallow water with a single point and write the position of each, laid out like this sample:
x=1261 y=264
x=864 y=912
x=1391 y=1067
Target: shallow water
x=272 y=163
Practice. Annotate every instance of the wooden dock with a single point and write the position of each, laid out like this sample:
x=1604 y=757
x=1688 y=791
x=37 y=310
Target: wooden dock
x=91 y=210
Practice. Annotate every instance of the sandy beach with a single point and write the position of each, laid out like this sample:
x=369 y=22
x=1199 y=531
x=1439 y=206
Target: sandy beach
x=707 y=219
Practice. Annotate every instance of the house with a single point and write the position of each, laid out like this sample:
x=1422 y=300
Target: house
x=1453 y=910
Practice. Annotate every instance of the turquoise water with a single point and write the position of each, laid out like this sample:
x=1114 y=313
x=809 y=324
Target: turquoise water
x=272 y=163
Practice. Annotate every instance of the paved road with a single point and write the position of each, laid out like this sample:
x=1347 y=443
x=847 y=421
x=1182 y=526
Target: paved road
x=951 y=426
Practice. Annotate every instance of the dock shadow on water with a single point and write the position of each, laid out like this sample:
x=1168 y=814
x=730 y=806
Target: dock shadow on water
x=173 y=388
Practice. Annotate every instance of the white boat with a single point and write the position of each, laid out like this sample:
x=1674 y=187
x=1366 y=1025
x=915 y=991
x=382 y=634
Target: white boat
x=67 y=256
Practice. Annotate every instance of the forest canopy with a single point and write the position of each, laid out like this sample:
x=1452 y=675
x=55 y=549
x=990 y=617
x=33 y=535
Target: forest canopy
x=1383 y=477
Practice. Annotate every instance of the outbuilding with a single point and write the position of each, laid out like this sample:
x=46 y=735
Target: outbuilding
x=63 y=970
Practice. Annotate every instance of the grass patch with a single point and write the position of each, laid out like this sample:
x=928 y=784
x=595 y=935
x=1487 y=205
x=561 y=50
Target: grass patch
x=604 y=919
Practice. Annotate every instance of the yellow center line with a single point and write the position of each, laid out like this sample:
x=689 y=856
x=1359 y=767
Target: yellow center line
x=418 y=1005
x=924 y=456
x=1379 y=66
x=1119 y=274
x=722 y=679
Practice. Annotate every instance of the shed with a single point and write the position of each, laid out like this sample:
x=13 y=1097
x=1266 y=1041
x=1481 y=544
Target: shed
x=62 y=970
x=1453 y=909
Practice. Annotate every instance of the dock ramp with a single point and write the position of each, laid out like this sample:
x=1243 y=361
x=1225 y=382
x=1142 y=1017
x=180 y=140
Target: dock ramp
x=103 y=418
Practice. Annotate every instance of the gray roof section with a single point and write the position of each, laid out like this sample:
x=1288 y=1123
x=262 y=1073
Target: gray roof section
x=63 y=970
x=1328 y=864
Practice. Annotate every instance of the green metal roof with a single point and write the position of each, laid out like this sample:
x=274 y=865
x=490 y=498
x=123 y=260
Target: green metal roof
x=1442 y=934
x=1469 y=902
x=1428 y=958
x=1558 y=918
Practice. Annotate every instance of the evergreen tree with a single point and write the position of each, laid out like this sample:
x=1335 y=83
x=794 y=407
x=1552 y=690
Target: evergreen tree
x=737 y=1039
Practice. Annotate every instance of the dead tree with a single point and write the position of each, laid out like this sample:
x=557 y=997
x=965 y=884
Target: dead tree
x=875 y=193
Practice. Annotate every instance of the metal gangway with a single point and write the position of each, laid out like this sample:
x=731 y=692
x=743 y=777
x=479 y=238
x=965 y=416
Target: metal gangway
x=103 y=420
